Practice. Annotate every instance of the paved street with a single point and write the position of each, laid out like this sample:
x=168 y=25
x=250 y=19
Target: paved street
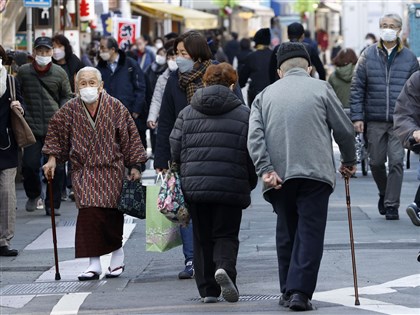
x=386 y=251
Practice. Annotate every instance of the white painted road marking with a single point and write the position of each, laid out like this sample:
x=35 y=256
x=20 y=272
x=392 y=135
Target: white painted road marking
x=69 y=304
x=345 y=296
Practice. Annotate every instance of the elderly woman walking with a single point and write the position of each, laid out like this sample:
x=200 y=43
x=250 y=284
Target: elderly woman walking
x=96 y=133
x=209 y=141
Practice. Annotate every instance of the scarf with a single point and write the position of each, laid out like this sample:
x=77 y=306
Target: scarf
x=193 y=80
x=40 y=71
x=3 y=81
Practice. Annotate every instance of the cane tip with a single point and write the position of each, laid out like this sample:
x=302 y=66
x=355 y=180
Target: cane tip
x=57 y=276
x=357 y=302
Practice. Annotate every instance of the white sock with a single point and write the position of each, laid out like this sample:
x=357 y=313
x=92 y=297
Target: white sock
x=94 y=265
x=117 y=258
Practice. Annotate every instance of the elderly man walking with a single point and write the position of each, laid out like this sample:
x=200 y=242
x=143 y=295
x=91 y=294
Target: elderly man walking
x=45 y=88
x=97 y=134
x=290 y=143
x=407 y=129
x=379 y=77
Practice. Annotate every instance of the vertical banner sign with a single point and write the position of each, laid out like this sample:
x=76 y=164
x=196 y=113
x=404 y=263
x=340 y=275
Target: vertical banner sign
x=106 y=20
x=74 y=38
x=126 y=31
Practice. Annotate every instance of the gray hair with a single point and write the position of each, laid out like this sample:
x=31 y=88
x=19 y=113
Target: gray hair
x=89 y=69
x=394 y=16
x=297 y=62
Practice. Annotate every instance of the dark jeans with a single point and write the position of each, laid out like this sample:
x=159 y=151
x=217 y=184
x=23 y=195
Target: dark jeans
x=31 y=163
x=187 y=242
x=301 y=206
x=216 y=244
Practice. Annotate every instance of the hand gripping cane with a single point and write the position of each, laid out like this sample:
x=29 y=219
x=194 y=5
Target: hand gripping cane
x=353 y=256
x=54 y=234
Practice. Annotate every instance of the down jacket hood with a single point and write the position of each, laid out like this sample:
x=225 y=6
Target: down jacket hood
x=214 y=100
x=345 y=73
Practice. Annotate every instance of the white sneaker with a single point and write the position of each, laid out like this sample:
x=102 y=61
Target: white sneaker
x=40 y=204
x=229 y=291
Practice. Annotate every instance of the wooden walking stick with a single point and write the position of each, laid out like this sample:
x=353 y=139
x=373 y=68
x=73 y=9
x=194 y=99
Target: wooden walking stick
x=353 y=256
x=54 y=234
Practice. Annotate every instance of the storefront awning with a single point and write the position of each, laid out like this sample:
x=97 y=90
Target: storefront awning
x=256 y=9
x=192 y=19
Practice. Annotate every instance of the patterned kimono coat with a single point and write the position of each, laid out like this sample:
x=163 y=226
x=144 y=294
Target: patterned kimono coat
x=98 y=149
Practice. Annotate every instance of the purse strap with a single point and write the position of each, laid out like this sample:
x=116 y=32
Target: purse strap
x=12 y=87
x=159 y=176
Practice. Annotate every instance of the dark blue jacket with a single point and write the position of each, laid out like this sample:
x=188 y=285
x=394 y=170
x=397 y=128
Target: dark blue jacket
x=127 y=84
x=377 y=82
x=173 y=101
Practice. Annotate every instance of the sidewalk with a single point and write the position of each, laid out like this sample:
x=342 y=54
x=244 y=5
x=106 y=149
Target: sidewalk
x=385 y=251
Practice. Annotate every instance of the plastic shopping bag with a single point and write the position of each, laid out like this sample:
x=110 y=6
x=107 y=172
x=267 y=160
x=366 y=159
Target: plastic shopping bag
x=161 y=234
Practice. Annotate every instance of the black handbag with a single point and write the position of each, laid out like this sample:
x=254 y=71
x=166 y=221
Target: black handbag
x=133 y=199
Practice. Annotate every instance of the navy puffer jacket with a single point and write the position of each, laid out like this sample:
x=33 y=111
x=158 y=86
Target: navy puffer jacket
x=209 y=140
x=377 y=83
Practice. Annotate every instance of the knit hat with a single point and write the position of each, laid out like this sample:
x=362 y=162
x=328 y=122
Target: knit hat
x=295 y=30
x=262 y=37
x=291 y=50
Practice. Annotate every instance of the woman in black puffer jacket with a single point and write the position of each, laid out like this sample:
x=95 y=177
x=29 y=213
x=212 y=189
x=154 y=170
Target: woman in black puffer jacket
x=209 y=141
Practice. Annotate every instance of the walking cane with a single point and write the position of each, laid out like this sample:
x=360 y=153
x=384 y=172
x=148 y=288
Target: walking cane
x=353 y=256
x=54 y=234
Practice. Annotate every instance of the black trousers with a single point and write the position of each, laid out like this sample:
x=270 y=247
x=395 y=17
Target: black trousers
x=216 y=244
x=301 y=206
x=31 y=164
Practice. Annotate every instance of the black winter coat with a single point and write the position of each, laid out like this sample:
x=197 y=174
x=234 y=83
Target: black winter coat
x=256 y=68
x=209 y=140
x=173 y=101
x=72 y=66
x=8 y=147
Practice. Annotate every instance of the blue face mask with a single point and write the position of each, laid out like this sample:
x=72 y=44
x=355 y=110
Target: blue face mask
x=184 y=64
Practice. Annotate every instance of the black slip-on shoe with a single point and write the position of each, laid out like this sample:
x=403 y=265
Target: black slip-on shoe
x=299 y=302
x=6 y=251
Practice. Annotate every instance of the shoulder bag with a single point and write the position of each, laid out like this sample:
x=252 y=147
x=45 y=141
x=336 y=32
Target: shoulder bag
x=21 y=130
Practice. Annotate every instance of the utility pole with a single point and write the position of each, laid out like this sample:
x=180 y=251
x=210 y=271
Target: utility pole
x=29 y=29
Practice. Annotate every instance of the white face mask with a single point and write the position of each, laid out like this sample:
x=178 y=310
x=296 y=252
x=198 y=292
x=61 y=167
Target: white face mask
x=105 y=55
x=160 y=60
x=159 y=45
x=1 y=63
x=43 y=60
x=89 y=95
x=172 y=65
x=58 y=54
x=388 y=35
x=369 y=41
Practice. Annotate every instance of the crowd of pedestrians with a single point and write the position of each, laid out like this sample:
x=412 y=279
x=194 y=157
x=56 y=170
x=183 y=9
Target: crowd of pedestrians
x=90 y=116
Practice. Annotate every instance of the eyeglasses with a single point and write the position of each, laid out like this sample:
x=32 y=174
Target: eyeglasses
x=391 y=26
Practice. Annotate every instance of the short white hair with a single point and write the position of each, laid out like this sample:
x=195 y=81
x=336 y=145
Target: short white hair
x=393 y=16
x=297 y=62
x=89 y=69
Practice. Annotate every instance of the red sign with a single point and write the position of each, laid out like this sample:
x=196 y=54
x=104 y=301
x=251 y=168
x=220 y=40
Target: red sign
x=126 y=30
